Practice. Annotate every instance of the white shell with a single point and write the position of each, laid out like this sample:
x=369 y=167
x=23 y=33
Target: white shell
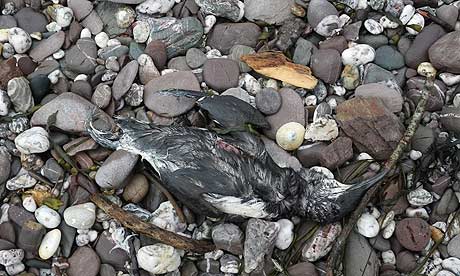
x=417 y=213
x=33 y=140
x=322 y=129
x=389 y=230
x=49 y=244
x=158 y=258
x=81 y=216
x=47 y=217
x=452 y=264
x=155 y=6
x=406 y=14
x=417 y=19
x=450 y=79
x=22 y=181
x=387 y=23
x=285 y=235
x=359 y=54
x=141 y=31
x=290 y=136
x=29 y=204
x=64 y=16
x=419 y=197
x=166 y=218
x=368 y=226
x=373 y=26
x=388 y=257
x=19 y=39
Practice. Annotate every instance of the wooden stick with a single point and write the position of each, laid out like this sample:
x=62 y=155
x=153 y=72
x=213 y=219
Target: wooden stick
x=335 y=256
x=130 y=221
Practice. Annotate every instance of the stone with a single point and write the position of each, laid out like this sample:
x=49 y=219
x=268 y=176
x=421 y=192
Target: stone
x=322 y=129
x=151 y=6
x=359 y=54
x=84 y=261
x=281 y=157
x=80 y=8
x=441 y=53
x=81 y=58
x=29 y=204
x=124 y=79
x=327 y=65
x=19 y=216
x=48 y=46
x=166 y=218
x=178 y=35
x=116 y=169
x=228 y=237
x=156 y=49
x=195 y=58
x=368 y=226
x=31 y=21
x=109 y=254
x=221 y=74
x=73 y=111
x=303 y=51
x=11 y=256
x=419 y=197
x=450 y=118
x=415 y=24
x=230 y=9
x=226 y=35
x=389 y=58
x=373 y=26
x=7 y=21
x=318 y=10
x=321 y=242
x=19 y=39
x=436 y=96
x=336 y=153
x=360 y=258
x=285 y=235
x=33 y=140
x=167 y=105
x=290 y=136
x=229 y=264
x=82 y=88
x=291 y=110
x=406 y=14
x=81 y=216
x=260 y=239
x=391 y=98
x=452 y=264
x=329 y=26
x=179 y=64
x=5 y=164
x=8 y=71
x=289 y=32
x=125 y=16
x=30 y=236
x=406 y=261
x=453 y=247
x=113 y=51
x=268 y=101
x=418 y=53
x=351 y=31
x=4 y=103
x=448 y=13
x=49 y=244
x=20 y=94
x=47 y=217
x=338 y=43
x=371 y=126
x=158 y=258
x=40 y=86
x=446 y=204
x=413 y=233
x=303 y=269
x=236 y=52
x=136 y=189
x=273 y=12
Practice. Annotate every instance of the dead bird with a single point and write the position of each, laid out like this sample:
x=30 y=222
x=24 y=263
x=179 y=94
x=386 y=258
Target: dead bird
x=213 y=174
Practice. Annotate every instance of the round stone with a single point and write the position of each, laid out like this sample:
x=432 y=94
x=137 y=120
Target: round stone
x=47 y=217
x=368 y=226
x=125 y=17
x=406 y=261
x=101 y=39
x=19 y=39
x=136 y=189
x=373 y=26
x=195 y=58
x=413 y=233
x=221 y=74
x=268 y=101
x=389 y=58
x=33 y=140
x=359 y=54
x=290 y=136
x=285 y=235
x=49 y=244
x=64 y=16
x=426 y=69
x=158 y=258
x=141 y=31
x=81 y=216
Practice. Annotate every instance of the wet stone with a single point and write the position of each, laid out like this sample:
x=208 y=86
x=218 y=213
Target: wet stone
x=268 y=101
x=226 y=35
x=240 y=50
x=418 y=53
x=413 y=233
x=221 y=74
x=228 y=237
x=442 y=55
x=389 y=58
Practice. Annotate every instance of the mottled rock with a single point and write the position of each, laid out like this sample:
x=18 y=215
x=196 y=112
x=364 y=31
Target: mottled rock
x=228 y=237
x=260 y=239
x=8 y=70
x=271 y=11
x=33 y=140
x=337 y=153
x=321 y=242
x=158 y=258
x=318 y=10
x=109 y=255
x=230 y=9
x=303 y=51
x=20 y=94
x=443 y=54
x=226 y=35
x=413 y=233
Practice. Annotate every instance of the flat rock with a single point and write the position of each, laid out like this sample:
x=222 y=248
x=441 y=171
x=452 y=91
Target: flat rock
x=391 y=98
x=444 y=53
x=116 y=169
x=389 y=58
x=80 y=8
x=418 y=53
x=226 y=35
x=372 y=127
x=47 y=46
x=318 y=10
x=84 y=261
x=124 y=79
x=73 y=111
x=303 y=51
x=360 y=258
x=228 y=237
x=8 y=70
x=81 y=58
x=269 y=11
x=166 y=105
x=108 y=254
x=31 y=21
x=413 y=233
x=326 y=64
x=221 y=74
x=7 y=21
x=336 y=153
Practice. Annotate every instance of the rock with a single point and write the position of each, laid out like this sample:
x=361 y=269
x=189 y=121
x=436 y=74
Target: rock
x=303 y=269
x=179 y=64
x=49 y=244
x=360 y=258
x=226 y=35
x=446 y=204
x=268 y=101
x=291 y=110
x=450 y=118
x=440 y=53
x=289 y=32
x=124 y=79
x=5 y=164
x=304 y=49
x=80 y=8
x=22 y=181
x=373 y=26
x=221 y=74
x=389 y=58
x=406 y=261
x=290 y=135
x=47 y=217
x=285 y=235
x=419 y=197
x=209 y=266
x=150 y=6
x=195 y=58
x=84 y=261
x=436 y=96
x=230 y=9
x=166 y=105
x=309 y=155
x=4 y=103
x=8 y=71
x=166 y=218
x=236 y=52
x=116 y=169
x=445 y=273
x=321 y=242
x=7 y=21
x=20 y=94
x=19 y=215
x=329 y=26
x=273 y=12
x=33 y=140
x=406 y=14
x=113 y=51
x=40 y=86
x=318 y=10
x=228 y=237
x=391 y=98
x=147 y=69
x=448 y=13
x=359 y=54
x=11 y=256
x=371 y=126
x=141 y=31
x=281 y=157
x=453 y=247
x=351 y=31
x=322 y=129
x=418 y=53
x=260 y=239
x=72 y=112
x=229 y=264
x=452 y=264
x=19 y=39
x=81 y=216
x=116 y=257
x=156 y=49
x=81 y=58
x=368 y=226
x=416 y=20
x=326 y=65
x=136 y=189
x=413 y=233
x=158 y=258
x=29 y=204
x=30 y=20
x=48 y=46
x=30 y=236
x=350 y=77
x=336 y=153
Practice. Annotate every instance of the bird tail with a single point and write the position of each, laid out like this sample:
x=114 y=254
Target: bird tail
x=182 y=93
x=368 y=183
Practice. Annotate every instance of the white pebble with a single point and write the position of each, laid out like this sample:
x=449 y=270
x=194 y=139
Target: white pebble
x=452 y=264
x=357 y=55
x=15 y=269
x=387 y=23
x=388 y=257
x=49 y=244
x=322 y=129
x=406 y=14
x=92 y=234
x=419 y=197
x=85 y=33
x=81 y=240
x=37 y=36
x=364 y=156
x=4 y=103
x=209 y=22
x=311 y=100
x=47 y=217
x=455 y=101
x=54 y=76
x=165 y=217
x=4 y=35
x=445 y=273
x=11 y=256
x=155 y=6
x=449 y=79
x=64 y=16
x=344 y=19
x=33 y=140
x=388 y=218
x=19 y=39
x=290 y=136
x=389 y=230
x=158 y=258
x=426 y=69
x=82 y=77
x=368 y=226
x=417 y=21
x=285 y=235
x=373 y=26
x=59 y=54
x=125 y=16
x=29 y=204
x=417 y=213
x=322 y=242
x=325 y=26
x=53 y=27
x=415 y=155
x=339 y=90
x=19 y=182
x=81 y=216
x=101 y=39
x=141 y=31
x=113 y=42
x=7 y=51
x=251 y=84
x=213 y=53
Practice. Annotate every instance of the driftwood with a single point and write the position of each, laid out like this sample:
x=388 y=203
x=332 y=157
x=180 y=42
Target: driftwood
x=335 y=256
x=130 y=221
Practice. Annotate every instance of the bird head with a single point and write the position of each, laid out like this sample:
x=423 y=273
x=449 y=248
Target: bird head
x=104 y=130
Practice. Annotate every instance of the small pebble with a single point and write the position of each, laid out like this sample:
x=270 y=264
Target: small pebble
x=47 y=217
x=368 y=226
x=290 y=136
x=49 y=244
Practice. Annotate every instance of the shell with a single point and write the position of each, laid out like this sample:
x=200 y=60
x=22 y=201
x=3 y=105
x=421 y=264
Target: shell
x=290 y=136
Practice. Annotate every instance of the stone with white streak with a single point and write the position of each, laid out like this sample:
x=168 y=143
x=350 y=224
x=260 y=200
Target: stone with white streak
x=329 y=26
x=368 y=226
x=19 y=39
x=373 y=26
x=81 y=216
x=22 y=181
x=64 y=16
x=49 y=244
x=357 y=55
x=20 y=94
x=322 y=242
x=33 y=140
x=47 y=217
x=406 y=14
x=448 y=78
x=285 y=235
x=415 y=24
x=166 y=218
x=158 y=258
x=419 y=197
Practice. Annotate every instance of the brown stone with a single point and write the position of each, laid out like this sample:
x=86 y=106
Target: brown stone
x=84 y=261
x=413 y=233
x=372 y=127
x=156 y=49
x=337 y=153
x=8 y=70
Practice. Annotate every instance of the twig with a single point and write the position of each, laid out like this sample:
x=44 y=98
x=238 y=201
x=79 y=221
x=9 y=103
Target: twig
x=168 y=195
x=130 y=221
x=335 y=259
